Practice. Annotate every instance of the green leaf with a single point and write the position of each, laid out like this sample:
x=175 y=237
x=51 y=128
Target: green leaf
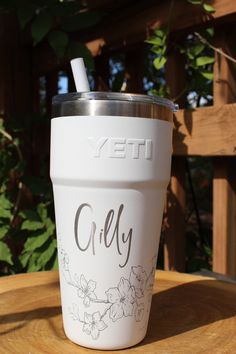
x=190 y=55
x=162 y=33
x=208 y=8
x=201 y=61
x=45 y=256
x=4 y=202
x=36 y=241
x=24 y=258
x=3 y=230
x=208 y=251
x=25 y=12
x=157 y=50
x=197 y=49
x=42 y=210
x=5 y=253
x=31 y=225
x=41 y=26
x=30 y=215
x=210 y=31
x=4 y=213
x=159 y=62
x=33 y=265
x=55 y=263
x=155 y=40
x=80 y=21
x=208 y=75
x=76 y=49
x=50 y=226
x=58 y=40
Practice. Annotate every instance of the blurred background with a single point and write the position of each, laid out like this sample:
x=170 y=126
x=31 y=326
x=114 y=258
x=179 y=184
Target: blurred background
x=180 y=49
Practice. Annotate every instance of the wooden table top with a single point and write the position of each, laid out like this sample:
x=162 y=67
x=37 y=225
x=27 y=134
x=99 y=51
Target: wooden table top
x=190 y=314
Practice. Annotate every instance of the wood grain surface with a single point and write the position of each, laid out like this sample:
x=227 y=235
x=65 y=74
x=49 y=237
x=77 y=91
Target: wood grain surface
x=190 y=314
x=208 y=131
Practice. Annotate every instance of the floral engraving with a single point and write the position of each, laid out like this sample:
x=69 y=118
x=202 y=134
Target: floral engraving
x=138 y=279
x=130 y=298
x=122 y=299
x=86 y=290
x=93 y=324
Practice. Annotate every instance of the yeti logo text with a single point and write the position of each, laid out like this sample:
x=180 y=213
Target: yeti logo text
x=121 y=148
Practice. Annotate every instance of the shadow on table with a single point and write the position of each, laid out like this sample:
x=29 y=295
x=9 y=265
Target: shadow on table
x=17 y=320
x=177 y=310
x=188 y=306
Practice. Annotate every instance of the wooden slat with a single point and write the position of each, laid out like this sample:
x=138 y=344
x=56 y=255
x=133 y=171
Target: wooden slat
x=224 y=216
x=102 y=73
x=209 y=131
x=174 y=242
x=133 y=24
x=15 y=71
x=130 y=28
x=224 y=181
x=134 y=69
x=51 y=90
x=174 y=237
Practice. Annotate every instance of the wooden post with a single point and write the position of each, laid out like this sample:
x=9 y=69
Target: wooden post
x=134 y=69
x=174 y=248
x=224 y=181
x=16 y=76
x=51 y=89
x=102 y=72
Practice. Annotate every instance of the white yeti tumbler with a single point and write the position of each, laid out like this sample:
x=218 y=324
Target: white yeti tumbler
x=110 y=166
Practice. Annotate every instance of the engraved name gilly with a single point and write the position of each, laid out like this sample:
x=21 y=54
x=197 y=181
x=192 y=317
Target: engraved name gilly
x=105 y=237
x=121 y=147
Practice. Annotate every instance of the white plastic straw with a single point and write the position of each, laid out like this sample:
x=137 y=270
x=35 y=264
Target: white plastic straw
x=79 y=74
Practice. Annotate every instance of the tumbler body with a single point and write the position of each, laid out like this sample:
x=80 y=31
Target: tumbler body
x=109 y=175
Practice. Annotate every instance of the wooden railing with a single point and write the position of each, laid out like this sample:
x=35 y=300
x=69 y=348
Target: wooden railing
x=203 y=132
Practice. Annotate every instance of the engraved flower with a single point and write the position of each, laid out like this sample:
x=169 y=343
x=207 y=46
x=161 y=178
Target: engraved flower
x=93 y=324
x=86 y=290
x=74 y=312
x=64 y=260
x=122 y=299
x=139 y=312
x=138 y=279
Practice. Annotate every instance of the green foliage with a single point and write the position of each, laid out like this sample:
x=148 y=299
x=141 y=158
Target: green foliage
x=41 y=25
x=208 y=8
x=159 y=47
x=159 y=62
x=205 y=6
x=25 y=13
x=5 y=253
x=58 y=41
x=27 y=227
x=199 y=60
x=52 y=21
x=202 y=61
x=27 y=235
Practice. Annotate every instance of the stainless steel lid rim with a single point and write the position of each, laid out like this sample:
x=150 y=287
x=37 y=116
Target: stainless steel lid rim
x=114 y=96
